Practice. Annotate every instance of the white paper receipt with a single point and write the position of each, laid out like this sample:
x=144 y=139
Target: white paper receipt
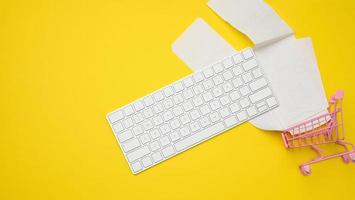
x=289 y=63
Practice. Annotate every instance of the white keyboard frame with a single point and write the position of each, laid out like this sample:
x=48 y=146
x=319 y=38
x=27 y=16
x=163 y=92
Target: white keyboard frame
x=207 y=138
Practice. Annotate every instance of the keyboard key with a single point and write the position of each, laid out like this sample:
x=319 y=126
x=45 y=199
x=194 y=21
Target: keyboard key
x=194 y=114
x=168 y=115
x=224 y=100
x=128 y=122
x=262 y=108
x=147 y=161
x=198 y=77
x=136 y=167
x=227 y=75
x=177 y=111
x=198 y=89
x=231 y=121
x=214 y=117
x=247 y=77
x=184 y=131
x=224 y=112
x=208 y=72
x=128 y=110
x=148 y=113
x=259 y=95
x=165 y=129
x=138 y=118
x=168 y=151
x=250 y=64
x=260 y=104
x=205 y=109
x=158 y=108
x=178 y=87
x=188 y=82
x=118 y=128
x=237 y=82
x=116 y=116
x=174 y=136
x=228 y=62
x=198 y=101
x=234 y=95
x=168 y=103
x=234 y=107
x=244 y=90
x=207 y=96
x=237 y=58
x=248 y=53
x=185 y=119
x=208 y=84
x=157 y=120
x=158 y=96
x=200 y=136
x=144 y=138
x=137 y=130
x=271 y=101
x=164 y=141
x=178 y=99
x=237 y=70
x=215 y=105
x=154 y=133
x=242 y=115
x=148 y=101
x=258 y=84
x=217 y=92
x=244 y=102
x=217 y=80
x=187 y=106
x=205 y=122
x=138 y=153
x=188 y=94
x=157 y=157
x=147 y=125
x=154 y=145
x=194 y=126
x=252 y=111
x=257 y=73
x=227 y=87
x=168 y=91
x=131 y=144
x=218 y=67
x=138 y=105
x=174 y=124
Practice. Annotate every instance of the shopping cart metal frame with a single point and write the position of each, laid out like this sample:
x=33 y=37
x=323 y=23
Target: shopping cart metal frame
x=324 y=129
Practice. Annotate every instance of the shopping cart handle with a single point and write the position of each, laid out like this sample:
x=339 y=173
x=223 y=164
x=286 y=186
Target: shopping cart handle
x=339 y=94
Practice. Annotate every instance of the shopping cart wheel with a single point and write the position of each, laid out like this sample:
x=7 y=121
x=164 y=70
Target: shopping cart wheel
x=346 y=158
x=306 y=170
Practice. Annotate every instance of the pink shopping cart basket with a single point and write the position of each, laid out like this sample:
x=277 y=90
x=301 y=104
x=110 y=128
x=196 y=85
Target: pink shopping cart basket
x=324 y=129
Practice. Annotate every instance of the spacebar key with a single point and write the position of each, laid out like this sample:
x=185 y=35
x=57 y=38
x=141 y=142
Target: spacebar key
x=199 y=136
x=139 y=153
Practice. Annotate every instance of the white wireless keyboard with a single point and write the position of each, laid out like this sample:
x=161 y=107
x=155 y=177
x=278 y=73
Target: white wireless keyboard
x=191 y=110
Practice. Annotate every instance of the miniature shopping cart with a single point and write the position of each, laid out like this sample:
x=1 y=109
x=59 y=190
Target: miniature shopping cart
x=324 y=129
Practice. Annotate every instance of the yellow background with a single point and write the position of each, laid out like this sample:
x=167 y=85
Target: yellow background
x=65 y=64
